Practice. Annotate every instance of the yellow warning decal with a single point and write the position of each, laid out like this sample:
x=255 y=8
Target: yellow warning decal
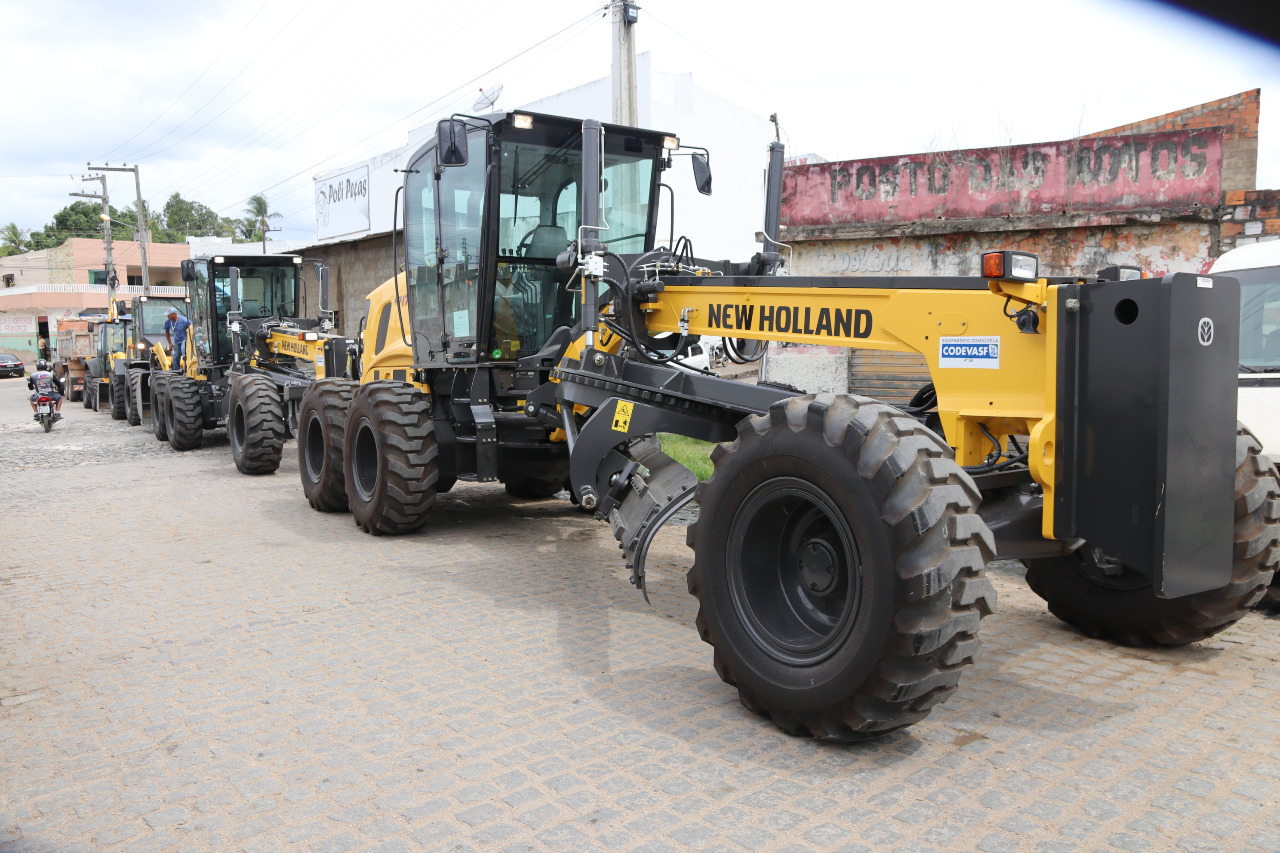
x=622 y=416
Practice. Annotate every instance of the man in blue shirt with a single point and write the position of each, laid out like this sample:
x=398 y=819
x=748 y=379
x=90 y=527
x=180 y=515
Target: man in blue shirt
x=178 y=326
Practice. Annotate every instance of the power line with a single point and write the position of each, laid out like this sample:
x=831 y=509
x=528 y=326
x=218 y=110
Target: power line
x=252 y=88
x=354 y=84
x=145 y=149
x=178 y=99
x=502 y=64
x=304 y=129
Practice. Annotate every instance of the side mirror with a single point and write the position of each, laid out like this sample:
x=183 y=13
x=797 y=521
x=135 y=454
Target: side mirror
x=451 y=142
x=233 y=296
x=324 y=289
x=701 y=172
x=188 y=270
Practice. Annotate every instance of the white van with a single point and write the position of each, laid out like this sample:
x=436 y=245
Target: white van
x=1257 y=266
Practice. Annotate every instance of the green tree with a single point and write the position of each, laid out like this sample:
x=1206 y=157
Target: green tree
x=185 y=217
x=13 y=240
x=257 y=219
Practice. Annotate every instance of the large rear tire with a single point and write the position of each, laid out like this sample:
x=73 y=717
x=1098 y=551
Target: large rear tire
x=839 y=567
x=159 y=381
x=85 y=398
x=390 y=458
x=322 y=423
x=119 y=391
x=184 y=413
x=255 y=424
x=135 y=395
x=1107 y=600
x=131 y=415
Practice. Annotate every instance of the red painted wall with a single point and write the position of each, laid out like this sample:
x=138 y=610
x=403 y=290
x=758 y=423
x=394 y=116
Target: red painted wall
x=1169 y=170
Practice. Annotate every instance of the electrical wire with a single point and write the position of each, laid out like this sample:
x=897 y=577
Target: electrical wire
x=178 y=99
x=356 y=86
x=409 y=116
x=146 y=149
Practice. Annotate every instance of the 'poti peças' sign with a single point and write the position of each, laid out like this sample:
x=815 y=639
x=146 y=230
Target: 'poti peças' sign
x=1170 y=170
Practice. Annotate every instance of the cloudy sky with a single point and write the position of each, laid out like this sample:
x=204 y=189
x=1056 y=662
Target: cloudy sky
x=221 y=100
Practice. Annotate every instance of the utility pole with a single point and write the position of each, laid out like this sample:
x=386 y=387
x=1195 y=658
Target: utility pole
x=266 y=229
x=112 y=281
x=625 y=108
x=144 y=227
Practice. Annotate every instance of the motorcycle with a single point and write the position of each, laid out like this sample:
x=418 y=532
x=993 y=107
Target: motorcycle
x=46 y=412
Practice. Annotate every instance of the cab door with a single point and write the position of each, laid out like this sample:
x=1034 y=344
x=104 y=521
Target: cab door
x=460 y=208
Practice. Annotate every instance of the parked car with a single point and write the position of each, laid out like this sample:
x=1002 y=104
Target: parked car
x=11 y=365
x=1257 y=266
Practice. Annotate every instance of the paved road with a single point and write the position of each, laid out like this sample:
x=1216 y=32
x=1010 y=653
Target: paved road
x=195 y=660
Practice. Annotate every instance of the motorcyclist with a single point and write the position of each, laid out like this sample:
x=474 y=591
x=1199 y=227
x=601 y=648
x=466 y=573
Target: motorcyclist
x=45 y=384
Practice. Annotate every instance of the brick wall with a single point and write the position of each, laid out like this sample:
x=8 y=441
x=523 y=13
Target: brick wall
x=1236 y=115
x=356 y=267
x=1249 y=217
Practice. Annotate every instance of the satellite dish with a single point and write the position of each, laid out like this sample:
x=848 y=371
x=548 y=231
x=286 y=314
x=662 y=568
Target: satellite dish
x=487 y=98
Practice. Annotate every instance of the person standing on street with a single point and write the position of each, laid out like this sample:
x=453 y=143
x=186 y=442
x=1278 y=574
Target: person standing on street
x=176 y=328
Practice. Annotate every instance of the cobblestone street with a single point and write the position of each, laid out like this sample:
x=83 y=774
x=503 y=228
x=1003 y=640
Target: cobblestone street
x=192 y=659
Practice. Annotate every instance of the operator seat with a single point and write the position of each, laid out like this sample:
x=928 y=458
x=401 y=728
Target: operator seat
x=547 y=241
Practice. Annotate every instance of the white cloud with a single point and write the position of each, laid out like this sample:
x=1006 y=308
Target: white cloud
x=292 y=88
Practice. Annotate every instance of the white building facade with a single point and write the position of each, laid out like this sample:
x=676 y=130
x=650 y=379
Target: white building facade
x=357 y=201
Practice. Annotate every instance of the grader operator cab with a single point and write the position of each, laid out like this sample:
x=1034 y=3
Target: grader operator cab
x=1081 y=424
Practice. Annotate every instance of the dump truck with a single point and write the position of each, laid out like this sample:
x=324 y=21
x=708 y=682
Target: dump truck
x=1082 y=424
x=77 y=343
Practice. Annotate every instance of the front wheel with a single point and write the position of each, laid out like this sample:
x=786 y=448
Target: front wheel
x=134 y=382
x=838 y=566
x=1107 y=600
x=390 y=455
x=184 y=413
x=119 y=391
x=256 y=425
x=159 y=381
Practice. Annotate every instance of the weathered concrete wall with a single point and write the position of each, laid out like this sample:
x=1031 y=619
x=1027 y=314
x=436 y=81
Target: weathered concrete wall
x=1156 y=248
x=355 y=268
x=1175 y=172
x=816 y=369
x=1237 y=116
x=62 y=263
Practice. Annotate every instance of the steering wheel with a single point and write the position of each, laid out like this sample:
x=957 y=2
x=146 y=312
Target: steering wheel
x=522 y=248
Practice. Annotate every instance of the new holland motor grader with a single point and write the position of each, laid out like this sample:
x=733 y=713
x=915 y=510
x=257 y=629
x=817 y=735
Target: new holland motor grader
x=1084 y=425
x=145 y=352
x=248 y=357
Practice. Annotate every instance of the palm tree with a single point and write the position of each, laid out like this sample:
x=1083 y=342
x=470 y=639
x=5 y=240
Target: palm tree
x=13 y=240
x=254 y=225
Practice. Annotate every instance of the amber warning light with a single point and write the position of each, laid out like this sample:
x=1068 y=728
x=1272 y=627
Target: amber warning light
x=1016 y=266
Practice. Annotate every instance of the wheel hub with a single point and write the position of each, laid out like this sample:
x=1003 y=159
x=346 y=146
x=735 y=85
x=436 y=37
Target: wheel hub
x=817 y=566
x=793 y=569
